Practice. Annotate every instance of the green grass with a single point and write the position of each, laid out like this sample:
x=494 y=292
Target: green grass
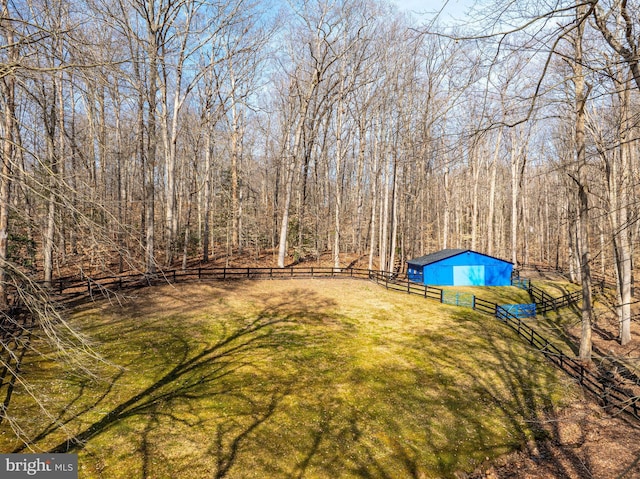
x=556 y=288
x=495 y=294
x=555 y=325
x=314 y=379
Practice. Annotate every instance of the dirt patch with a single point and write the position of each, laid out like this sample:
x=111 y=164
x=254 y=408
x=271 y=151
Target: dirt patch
x=582 y=443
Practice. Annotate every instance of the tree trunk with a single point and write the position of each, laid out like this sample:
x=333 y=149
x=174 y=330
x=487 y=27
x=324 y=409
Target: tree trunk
x=384 y=225
x=206 y=235
x=622 y=233
x=583 y=199
x=49 y=231
x=374 y=204
x=446 y=215
x=235 y=154
x=7 y=84
x=475 y=173
x=149 y=194
x=493 y=173
x=339 y=166
x=515 y=160
x=284 y=225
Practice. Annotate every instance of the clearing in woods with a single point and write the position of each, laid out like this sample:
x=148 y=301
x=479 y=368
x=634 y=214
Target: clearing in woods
x=314 y=378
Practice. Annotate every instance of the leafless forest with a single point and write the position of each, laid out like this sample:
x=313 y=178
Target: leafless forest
x=142 y=134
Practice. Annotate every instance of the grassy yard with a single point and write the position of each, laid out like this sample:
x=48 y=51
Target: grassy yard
x=495 y=294
x=556 y=288
x=289 y=379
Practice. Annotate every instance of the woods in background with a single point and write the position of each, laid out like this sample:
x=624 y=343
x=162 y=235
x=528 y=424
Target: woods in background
x=139 y=134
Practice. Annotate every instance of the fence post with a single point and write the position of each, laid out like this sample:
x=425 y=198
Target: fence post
x=248 y=274
x=442 y=296
x=199 y=273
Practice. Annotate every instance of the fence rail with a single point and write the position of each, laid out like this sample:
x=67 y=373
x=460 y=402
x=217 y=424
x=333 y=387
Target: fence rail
x=521 y=310
x=611 y=396
x=597 y=279
x=544 y=301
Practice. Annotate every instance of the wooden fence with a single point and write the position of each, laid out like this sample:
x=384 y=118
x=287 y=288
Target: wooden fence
x=596 y=279
x=521 y=310
x=544 y=301
x=613 y=397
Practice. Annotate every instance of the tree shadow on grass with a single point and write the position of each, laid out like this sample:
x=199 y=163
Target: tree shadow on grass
x=444 y=413
x=427 y=405
x=534 y=389
x=169 y=387
x=559 y=324
x=196 y=373
x=489 y=386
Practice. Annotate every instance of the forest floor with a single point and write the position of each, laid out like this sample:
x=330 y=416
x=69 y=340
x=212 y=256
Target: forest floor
x=584 y=443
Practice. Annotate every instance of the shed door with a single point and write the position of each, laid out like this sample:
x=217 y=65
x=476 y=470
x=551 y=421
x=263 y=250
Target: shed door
x=468 y=275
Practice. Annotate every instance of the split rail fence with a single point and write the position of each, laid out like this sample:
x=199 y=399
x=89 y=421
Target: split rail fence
x=613 y=398
x=544 y=301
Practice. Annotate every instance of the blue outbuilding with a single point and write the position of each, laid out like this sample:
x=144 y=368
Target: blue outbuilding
x=459 y=267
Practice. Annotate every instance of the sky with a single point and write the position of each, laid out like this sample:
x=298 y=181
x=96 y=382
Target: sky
x=451 y=10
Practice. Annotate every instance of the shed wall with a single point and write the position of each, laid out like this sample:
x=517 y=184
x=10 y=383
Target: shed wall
x=466 y=269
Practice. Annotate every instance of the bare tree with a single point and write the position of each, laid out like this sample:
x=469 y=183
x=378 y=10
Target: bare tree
x=581 y=180
x=10 y=56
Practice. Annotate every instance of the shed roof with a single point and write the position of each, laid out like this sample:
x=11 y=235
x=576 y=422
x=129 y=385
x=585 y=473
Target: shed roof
x=444 y=254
